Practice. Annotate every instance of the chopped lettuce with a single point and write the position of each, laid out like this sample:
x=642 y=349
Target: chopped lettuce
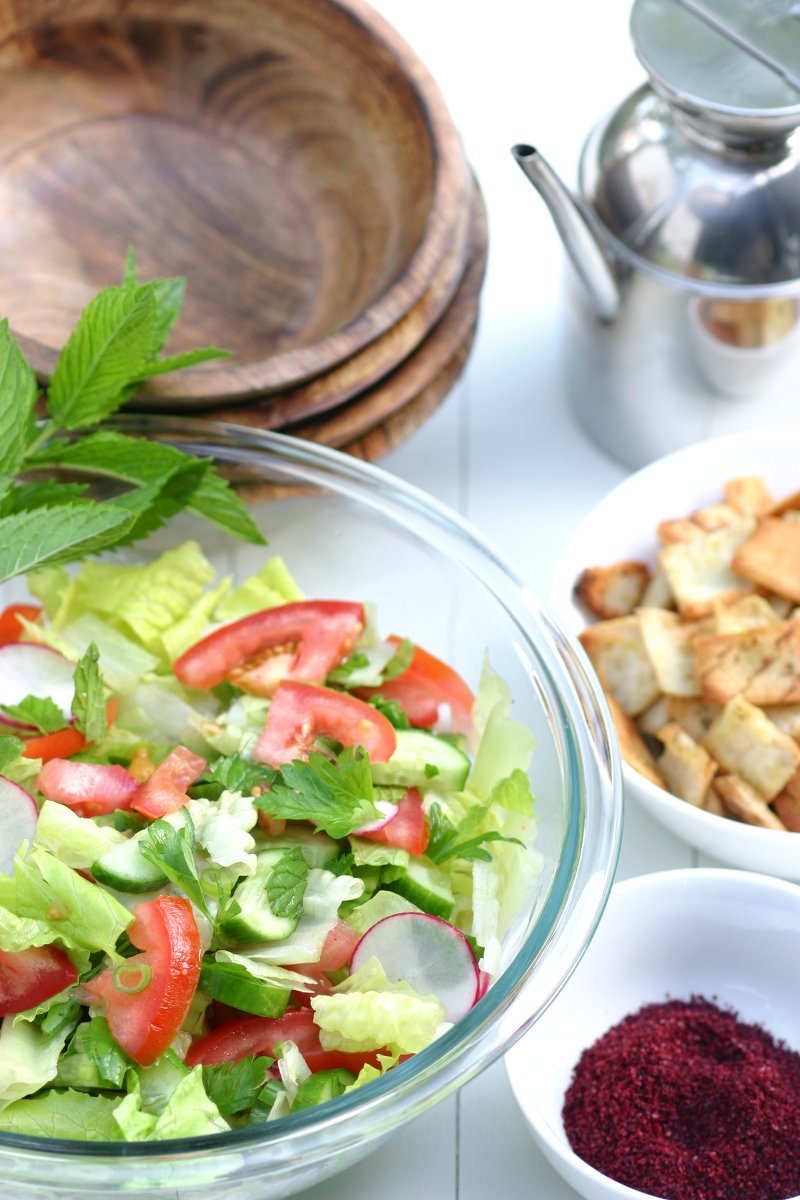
x=191 y=627
x=383 y=904
x=78 y=913
x=125 y=662
x=375 y=854
x=18 y=933
x=76 y=841
x=270 y=973
x=367 y=1012
x=222 y=828
x=506 y=745
x=187 y=1113
x=238 y=728
x=270 y=586
x=63 y=1114
x=28 y=1059
x=294 y=1071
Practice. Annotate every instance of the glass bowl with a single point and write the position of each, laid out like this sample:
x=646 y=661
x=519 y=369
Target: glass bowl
x=348 y=530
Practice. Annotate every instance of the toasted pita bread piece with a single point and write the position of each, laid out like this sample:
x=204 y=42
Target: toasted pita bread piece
x=790 y=503
x=677 y=530
x=750 y=494
x=687 y=768
x=787 y=804
x=786 y=717
x=654 y=717
x=632 y=746
x=745 y=742
x=613 y=591
x=744 y=802
x=700 y=571
x=713 y=804
x=716 y=516
x=617 y=652
x=771 y=557
x=748 y=612
x=695 y=716
x=658 y=593
x=669 y=644
x=763 y=665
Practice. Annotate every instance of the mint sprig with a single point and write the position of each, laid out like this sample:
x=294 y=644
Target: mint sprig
x=117 y=344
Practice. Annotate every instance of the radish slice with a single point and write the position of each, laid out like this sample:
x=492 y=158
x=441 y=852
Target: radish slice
x=387 y=811
x=428 y=953
x=18 y=817
x=27 y=669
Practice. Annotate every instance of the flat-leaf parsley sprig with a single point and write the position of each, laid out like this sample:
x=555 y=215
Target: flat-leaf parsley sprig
x=116 y=345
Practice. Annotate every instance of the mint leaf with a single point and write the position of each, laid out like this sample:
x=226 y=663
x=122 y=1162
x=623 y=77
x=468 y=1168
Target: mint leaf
x=89 y=701
x=169 y=294
x=58 y=534
x=28 y=496
x=10 y=748
x=235 y=1087
x=105 y=352
x=177 y=362
x=43 y=714
x=216 y=500
x=18 y=391
x=154 y=503
x=130 y=276
x=336 y=796
x=286 y=884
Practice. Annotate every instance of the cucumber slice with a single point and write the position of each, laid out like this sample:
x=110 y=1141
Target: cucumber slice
x=316 y=847
x=423 y=760
x=126 y=870
x=255 y=920
x=322 y=1086
x=234 y=985
x=425 y=886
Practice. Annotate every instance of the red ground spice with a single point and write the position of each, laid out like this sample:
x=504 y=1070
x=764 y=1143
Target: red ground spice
x=683 y=1100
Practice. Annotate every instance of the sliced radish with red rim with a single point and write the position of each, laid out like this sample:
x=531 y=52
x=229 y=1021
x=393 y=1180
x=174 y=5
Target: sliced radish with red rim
x=18 y=817
x=429 y=954
x=387 y=811
x=27 y=669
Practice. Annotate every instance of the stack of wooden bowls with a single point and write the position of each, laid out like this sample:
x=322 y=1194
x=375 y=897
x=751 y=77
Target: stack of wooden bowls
x=293 y=160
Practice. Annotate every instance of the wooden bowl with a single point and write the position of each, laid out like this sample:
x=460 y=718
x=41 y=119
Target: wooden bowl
x=293 y=159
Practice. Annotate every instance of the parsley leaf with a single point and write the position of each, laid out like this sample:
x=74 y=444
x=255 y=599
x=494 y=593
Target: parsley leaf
x=89 y=701
x=236 y=1087
x=10 y=748
x=446 y=840
x=286 y=884
x=336 y=796
x=44 y=715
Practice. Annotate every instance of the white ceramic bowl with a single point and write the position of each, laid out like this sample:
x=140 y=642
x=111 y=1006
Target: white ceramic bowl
x=731 y=937
x=623 y=525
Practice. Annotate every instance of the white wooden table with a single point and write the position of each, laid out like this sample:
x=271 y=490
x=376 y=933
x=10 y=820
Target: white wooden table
x=508 y=455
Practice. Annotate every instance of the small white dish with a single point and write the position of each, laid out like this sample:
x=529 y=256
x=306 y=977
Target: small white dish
x=731 y=937
x=623 y=526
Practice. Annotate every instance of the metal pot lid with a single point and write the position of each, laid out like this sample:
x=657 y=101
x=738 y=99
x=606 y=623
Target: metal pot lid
x=696 y=176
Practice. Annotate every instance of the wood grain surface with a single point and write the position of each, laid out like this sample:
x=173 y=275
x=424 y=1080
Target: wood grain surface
x=293 y=159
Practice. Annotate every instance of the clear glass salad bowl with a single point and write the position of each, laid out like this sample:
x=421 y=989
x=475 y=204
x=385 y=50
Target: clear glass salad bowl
x=351 y=531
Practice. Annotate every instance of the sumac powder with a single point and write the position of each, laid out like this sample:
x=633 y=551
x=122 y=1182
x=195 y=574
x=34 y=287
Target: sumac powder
x=683 y=1100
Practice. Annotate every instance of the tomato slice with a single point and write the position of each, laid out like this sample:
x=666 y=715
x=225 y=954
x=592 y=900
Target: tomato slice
x=426 y=684
x=165 y=975
x=165 y=790
x=89 y=789
x=303 y=641
x=336 y=952
x=64 y=742
x=11 y=627
x=262 y=1035
x=29 y=977
x=407 y=829
x=300 y=712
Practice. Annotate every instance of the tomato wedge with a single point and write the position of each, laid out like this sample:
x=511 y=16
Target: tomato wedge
x=147 y=998
x=300 y=712
x=165 y=790
x=29 y=977
x=11 y=627
x=64 y=742
x=303 y=641
x=89 y=789
x=407 y=829
x=336 y=952
x=262 y=1035
x=426 y=684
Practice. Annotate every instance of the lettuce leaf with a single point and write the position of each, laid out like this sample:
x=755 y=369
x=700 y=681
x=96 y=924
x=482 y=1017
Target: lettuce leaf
x=28 y=1059
x=222 y=828
x=270 y=586
x=75 y=841
x=367 y=1012
x=187 y=1113
x=63 y=1114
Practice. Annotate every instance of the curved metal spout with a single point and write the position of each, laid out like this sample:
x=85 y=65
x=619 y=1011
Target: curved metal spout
x=580 y=240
